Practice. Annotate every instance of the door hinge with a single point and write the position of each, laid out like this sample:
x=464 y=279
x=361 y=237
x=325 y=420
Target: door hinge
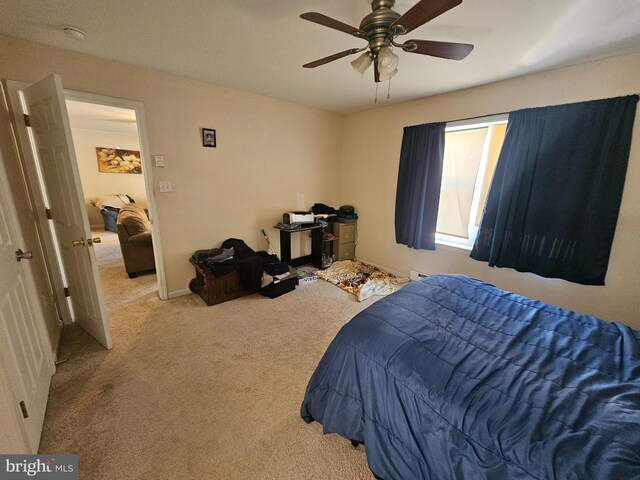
x=23 y=407
x=66 y=292
x=47 y=211
x=27 y=122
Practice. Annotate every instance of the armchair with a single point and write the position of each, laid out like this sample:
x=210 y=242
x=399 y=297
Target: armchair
x=134 y=233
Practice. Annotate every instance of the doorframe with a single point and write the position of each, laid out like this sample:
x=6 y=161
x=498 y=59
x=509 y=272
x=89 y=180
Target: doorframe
x=147 y=171
x=13 y=87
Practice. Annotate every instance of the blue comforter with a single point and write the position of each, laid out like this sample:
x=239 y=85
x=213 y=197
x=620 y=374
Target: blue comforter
x=452 y=378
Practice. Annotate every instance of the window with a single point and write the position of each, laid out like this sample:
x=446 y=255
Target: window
x=471 y=152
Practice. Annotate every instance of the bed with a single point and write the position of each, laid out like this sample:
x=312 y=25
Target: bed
x=452 y=378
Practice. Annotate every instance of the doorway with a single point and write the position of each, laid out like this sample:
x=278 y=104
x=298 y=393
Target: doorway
x=129 y=112
x=43 y=142
x=58 y=203
x=107 y=146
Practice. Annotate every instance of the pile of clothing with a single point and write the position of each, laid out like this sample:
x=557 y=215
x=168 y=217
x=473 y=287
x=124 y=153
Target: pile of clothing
x=214 y=255
x=346 y=212
x=257 y=270
x=234 y=255
x=110 y=207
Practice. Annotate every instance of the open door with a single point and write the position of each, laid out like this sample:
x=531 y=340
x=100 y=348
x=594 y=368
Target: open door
x=53 y=149
x=26 y=364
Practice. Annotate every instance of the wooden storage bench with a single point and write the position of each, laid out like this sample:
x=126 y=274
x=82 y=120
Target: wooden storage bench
x=215 y=290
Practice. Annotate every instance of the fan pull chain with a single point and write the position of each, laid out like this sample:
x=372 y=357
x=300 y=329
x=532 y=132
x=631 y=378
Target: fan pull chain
x=389 y=90
x=376 y=99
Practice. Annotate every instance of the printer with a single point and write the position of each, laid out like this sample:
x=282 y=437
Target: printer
x=298 y=217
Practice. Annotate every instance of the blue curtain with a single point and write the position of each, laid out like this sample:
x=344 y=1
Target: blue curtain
x=418 y=191
x=554 y=199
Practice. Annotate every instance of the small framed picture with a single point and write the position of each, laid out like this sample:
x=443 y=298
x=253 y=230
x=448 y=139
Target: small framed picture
x=208 y=137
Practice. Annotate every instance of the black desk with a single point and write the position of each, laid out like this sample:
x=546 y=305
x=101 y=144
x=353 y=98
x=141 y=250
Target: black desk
x=314 y=259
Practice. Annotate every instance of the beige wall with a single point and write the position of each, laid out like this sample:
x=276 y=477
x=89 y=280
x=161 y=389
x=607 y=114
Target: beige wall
x=371 y=155
x=274 y=155
x=270 y=153
x=97 y=184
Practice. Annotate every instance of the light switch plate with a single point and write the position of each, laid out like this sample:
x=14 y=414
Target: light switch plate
x=165 y=187
x=159 y=159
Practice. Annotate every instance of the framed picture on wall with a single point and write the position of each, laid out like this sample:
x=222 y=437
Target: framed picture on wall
x=116 y=160
x=208 y=137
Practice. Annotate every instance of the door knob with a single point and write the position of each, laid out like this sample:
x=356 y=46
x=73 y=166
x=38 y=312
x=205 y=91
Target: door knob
x=20 y=255
x=78 y=243
x=91 y=241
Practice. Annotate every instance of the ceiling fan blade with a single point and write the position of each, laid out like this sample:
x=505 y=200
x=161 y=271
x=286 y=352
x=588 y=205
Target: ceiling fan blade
x=331 y=58
x=422 y=12
x=376 y=72
x=452 y=51
x=321 y=19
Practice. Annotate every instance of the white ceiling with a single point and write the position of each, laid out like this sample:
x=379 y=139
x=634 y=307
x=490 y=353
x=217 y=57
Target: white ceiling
x=260 y=46
x=89 y=116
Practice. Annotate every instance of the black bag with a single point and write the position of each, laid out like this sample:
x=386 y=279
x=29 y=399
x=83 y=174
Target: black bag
x=276 y=268
x=272 y=264
x=279 y=287
x=348 y=209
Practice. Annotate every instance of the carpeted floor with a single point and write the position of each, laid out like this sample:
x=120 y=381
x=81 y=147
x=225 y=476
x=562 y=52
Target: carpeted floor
x=196 y=392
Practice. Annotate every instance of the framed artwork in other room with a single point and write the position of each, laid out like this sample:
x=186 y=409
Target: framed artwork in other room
x=208 y=137
x=117 y=160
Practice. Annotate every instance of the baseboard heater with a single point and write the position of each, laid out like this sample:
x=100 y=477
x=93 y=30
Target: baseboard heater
x=416 y=275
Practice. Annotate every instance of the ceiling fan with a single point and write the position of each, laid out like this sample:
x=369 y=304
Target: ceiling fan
x=380 y=29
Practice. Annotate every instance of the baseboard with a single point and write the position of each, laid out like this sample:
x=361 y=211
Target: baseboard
x=178 y=293
x=97 y=226
x=385 y=269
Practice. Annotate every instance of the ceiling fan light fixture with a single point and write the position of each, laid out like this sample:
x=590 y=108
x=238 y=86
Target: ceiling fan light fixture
x=387 y=76
x=387 y=60
x=381 y=27
x=362 y=63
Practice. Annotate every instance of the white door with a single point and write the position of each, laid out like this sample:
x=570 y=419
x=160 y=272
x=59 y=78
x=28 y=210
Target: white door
x=39 y=202
x=25 y=358
x=54 y=151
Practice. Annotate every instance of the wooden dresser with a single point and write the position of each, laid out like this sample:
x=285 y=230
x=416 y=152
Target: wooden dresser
x=214 y=289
